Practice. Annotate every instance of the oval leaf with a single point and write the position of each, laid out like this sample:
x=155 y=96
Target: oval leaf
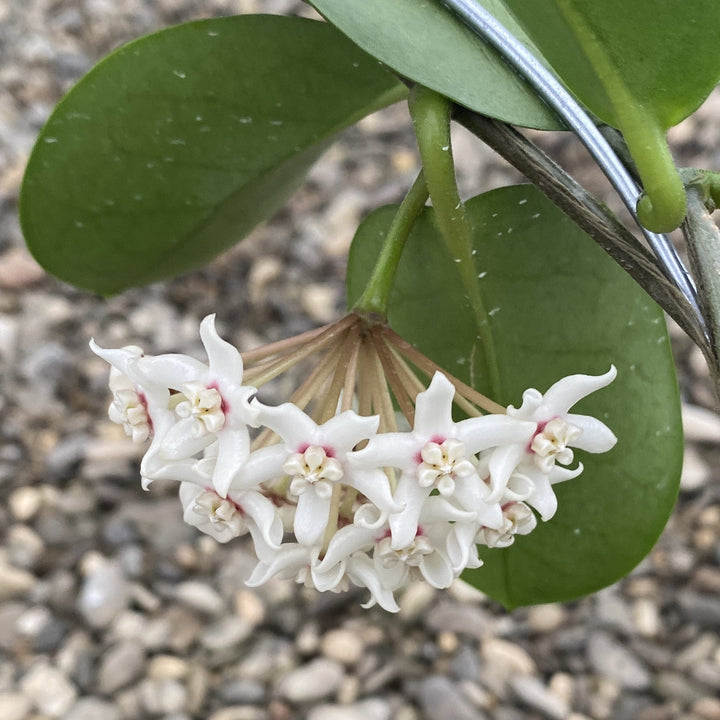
x=558 y=305
x=426 y=43
x=178 y=144
x=661 y=55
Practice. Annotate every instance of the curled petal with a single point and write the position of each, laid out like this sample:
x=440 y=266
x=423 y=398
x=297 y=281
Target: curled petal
x=289 y=422
x=179 y=442
x=223 y=358
x=542 y=497
x=561 y=474
x=285 y=562
x=342 y=432
x=437 y=570
x=261 y=466
x=433 y=408
x=233 y=452
x=171 y=371
x=503 y=462
x=411 y=496
x=396 y=450
x=361 y=571
x=488 y=431
x=346 y=541
x=311 y=517
x=330 y=577
x=264 y=514
x=375 y=486
x=596 y=436
x=566 y=392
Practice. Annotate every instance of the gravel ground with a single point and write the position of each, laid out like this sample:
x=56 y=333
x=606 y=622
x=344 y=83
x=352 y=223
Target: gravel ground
x=111 y=608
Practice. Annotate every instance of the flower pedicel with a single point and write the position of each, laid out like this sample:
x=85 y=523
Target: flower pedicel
x=341 y=495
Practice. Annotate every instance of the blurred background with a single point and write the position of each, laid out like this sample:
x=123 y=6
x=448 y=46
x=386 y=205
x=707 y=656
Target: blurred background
x=111 y=608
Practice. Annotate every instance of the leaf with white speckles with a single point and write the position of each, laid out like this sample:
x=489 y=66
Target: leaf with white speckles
x=175 y=146
x=564 y=307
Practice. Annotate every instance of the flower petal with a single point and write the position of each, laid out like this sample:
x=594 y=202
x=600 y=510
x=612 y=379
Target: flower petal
x=261 y=466
x=263 y=513
x=433 y=408
x=178 y=442
x=171 y=371
x=233 y=452
x=503 y=461
x=223 y=358
x=289 y=422
x=311 y=517
x=571 y=389
x=482 y=433
x=542 y=497
x=397 y=450
x=403 y=525
x=284 y=562
x=361 y=571
x=375 y=486
x=342 y=432
x=346 y=541
x=437 y=570
x=596 y=436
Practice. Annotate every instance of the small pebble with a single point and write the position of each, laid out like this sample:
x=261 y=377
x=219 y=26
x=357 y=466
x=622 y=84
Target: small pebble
x=104 y=594
x=25 y=502
x=14 y=706
x=200 y=597
x=344 y=646
x=121 y=665
x=311 y=682
x=613 y=660
x=49 y=689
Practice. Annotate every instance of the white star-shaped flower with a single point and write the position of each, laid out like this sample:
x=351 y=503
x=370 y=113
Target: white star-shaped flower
x=556 y=432
x=314 y=457
x=438 y=453
x=210 y=405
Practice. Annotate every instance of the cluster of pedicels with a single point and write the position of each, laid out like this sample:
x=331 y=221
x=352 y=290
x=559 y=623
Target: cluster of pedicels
x=341 y=495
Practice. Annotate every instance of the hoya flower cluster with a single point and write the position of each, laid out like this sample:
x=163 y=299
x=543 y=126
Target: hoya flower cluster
x=342 y=496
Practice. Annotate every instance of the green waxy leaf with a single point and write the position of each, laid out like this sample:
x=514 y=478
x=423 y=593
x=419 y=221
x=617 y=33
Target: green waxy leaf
x=662 y=55
x=642 y=66
x=426 y=43
x=178 y=144
x=558 y=306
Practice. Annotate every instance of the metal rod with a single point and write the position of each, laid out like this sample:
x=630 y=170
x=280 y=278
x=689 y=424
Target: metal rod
x=482 y=23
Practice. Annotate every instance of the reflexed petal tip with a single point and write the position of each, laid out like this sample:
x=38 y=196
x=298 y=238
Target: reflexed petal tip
x=568 y=391
x=433 y=407
x=224 y=359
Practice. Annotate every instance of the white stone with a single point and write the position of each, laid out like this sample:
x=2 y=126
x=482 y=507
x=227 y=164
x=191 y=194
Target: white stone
x=647 y=617
x=14 y=582
x=700 y=425
x=370 y=709
x=317 y=680
x=508 y=657
x=14 y=706
x=104 y=594
x=546 y=618
x=163 y=696
x=532 y=692
x=25 y=547
x=25 y=502
x=49 y=689
x=167 y=667
x=200 y=596
x=342 y=645
x=696 y=471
